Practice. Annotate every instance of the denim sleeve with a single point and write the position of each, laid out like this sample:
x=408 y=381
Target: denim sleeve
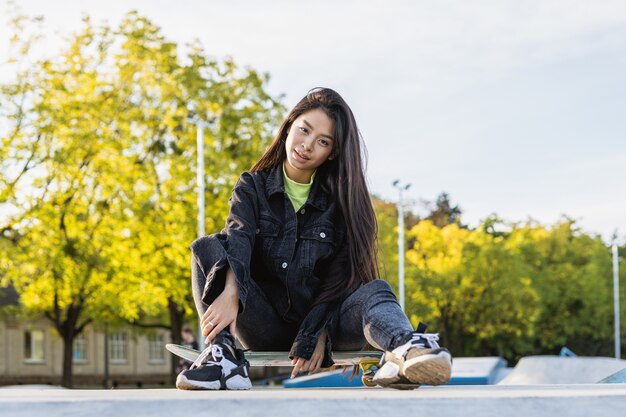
x=239 y=233
x=323 y=315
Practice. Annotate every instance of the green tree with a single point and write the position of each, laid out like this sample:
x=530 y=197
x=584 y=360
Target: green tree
x=468 y=285
x=387 y=219
x=110 y=210
x=571 y=272
x=442 y=212
x=20 y=150
x=505 y=288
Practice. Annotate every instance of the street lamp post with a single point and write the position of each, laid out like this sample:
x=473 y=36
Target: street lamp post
x=200 y=176
x=200 y=125
x=618 y=352
x=400 y=205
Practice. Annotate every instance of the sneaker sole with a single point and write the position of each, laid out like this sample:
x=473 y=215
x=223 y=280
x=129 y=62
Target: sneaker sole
x=235 y=383
x=238 y=382
x=182 y=382
x=397 y=382
x=393 y=370
x=429 y=369
x=404 y=387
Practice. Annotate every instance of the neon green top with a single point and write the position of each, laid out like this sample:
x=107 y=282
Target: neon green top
x=298 y=193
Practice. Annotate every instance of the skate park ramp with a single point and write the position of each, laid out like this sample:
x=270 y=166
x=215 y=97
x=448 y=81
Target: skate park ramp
x=537 y=370
x=465 y=371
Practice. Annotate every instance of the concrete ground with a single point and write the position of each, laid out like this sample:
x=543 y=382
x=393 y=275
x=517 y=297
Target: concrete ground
x=490 y=400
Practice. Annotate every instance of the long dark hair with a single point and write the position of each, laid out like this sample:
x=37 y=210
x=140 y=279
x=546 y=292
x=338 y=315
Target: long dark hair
x=343 y=177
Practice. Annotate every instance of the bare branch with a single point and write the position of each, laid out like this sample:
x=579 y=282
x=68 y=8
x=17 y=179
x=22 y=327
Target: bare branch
x=82 y=326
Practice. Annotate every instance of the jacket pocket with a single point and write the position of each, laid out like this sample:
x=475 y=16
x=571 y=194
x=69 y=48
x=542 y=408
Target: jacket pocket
x=267 y=233
x=318 y=243
x=267 y=227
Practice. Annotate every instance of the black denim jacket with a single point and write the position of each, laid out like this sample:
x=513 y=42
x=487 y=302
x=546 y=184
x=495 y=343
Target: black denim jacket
x=287 y=253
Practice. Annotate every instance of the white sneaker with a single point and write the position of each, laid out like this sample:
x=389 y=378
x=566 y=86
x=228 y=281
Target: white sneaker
x=420 y=361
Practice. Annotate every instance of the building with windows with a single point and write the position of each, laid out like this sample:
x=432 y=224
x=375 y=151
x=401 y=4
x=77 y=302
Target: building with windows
x=31 y=352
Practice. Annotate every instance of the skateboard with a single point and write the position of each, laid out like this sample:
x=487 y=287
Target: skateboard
x=366 y=360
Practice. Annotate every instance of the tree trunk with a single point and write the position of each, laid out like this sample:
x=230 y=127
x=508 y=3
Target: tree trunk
x=177 y=316
x=68 y=342
x=444 y=330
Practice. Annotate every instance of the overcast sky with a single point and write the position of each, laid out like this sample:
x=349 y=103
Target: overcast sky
x=512 y=107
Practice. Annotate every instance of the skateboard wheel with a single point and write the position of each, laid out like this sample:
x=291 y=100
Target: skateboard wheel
x=367 y=381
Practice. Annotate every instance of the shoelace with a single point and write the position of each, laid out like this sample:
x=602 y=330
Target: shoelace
x=431 y=338
x=214 y=351
x=418 y=340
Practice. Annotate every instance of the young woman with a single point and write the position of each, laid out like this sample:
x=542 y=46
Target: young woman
x=295 y=267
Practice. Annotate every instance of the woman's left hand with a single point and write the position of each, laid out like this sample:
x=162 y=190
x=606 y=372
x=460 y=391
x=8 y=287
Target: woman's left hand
x=313 y=364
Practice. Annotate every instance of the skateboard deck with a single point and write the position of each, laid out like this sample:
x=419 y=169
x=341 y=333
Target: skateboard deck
x=366 y=360
x=278 y=358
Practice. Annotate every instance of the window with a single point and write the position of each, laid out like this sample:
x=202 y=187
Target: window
x=156 y=350
x=118 y=347
x=80 y=349
x=33 y=345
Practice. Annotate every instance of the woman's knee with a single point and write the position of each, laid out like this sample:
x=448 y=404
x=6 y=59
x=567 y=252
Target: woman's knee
x=369 y=295
x=206 y=251
x=376 y=292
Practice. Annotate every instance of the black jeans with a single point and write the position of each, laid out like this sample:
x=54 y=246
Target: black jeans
x=371 y=314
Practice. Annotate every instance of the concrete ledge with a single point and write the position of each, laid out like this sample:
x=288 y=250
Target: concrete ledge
x=545 y=400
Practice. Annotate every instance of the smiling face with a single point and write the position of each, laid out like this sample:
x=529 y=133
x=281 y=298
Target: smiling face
x=308 y=145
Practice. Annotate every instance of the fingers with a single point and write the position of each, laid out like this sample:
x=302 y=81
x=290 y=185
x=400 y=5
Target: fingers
x=302 y=365
x=297 y=367
x=217 y=328
x=207 y=325
x=206 y=331
x=213 y=324
x=220 y=314
x=233 y=329
x=317 y=363
x=207 y=322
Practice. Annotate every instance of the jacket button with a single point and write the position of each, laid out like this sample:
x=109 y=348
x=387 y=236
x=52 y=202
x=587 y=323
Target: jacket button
x=302 y=211
x=284 y=265
x=322 y=235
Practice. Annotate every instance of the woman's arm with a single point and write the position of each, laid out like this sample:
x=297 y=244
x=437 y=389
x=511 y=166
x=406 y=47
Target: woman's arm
x=313 y=333
x=238 y=238
x=313 y=364
x=223 y=311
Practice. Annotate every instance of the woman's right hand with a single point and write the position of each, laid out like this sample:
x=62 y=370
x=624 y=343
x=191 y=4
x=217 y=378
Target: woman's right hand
x=223 y=311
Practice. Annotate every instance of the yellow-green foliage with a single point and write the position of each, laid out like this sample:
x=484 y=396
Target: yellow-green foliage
x=98 y=224
x=529 y=290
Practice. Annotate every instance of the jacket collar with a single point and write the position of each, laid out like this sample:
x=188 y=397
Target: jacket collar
x=274 y=184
